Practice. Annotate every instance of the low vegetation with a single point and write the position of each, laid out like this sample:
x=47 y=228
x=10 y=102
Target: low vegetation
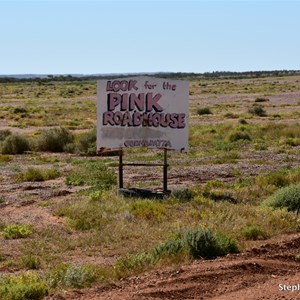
x=15 y=144
x=287 y=197
x=16 y=231
x=238 y=185
x=37 y=174
x=55 y=140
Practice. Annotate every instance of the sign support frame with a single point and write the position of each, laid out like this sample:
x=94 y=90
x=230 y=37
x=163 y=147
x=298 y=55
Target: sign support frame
x=165 y=166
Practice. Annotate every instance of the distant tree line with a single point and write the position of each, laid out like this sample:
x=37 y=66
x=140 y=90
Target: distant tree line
x=174 y=75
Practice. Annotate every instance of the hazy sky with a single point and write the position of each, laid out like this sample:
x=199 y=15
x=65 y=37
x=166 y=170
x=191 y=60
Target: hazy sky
x=60 y=37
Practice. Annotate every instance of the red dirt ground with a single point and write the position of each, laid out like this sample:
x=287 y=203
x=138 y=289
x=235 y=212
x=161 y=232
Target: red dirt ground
x=268 y=272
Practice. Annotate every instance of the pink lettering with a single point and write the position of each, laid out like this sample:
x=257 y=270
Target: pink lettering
x=108 y=118
x=113 y=101
x=137 y=101
x=181 y=123
x=152 y=102
x=123 y=85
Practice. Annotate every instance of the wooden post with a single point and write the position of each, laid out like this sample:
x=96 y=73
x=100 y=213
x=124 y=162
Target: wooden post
x=120 y=169
x=165 y=171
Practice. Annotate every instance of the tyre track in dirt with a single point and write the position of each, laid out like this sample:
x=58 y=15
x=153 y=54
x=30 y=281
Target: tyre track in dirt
x=254 y=274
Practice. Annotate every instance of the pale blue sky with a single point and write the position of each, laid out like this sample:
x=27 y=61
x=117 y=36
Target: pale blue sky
x=85 y=37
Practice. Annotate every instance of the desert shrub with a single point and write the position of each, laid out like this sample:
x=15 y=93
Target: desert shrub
x=286 y=197
x=19 y=110
x=199 y=243
x=87 y=143
x=95 y=195
x=27 y=286
x=204 y=111
x=16 y=231
x=224 y=146
x=4 y=134
x=74 y=276
x=15 y=144
x=31 y=262
x=92 y=173
x=243 y=121
x=203 y=243
x=260 y=147
x=239 y=136
x=147 y=209
x=261 y=99
x=183 y=194
x=70 y=148
x=31 y=174
x=257 y=110
x=294 y=142
x=35 y=174
x=5 y=158
x=168 y=248
x=133 y=263
x=226 y=244
x=54 y=139
x=231 y=116
x=219 y=196
x=278 y=178
x=253 y=232
x=277 y=131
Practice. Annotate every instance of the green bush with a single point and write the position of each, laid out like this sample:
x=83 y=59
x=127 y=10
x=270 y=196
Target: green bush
x=133 y=263
x=183 y=195
x=278 y=178
x=243 y=121
x=287 y=197
x=231 y=116
x=15 y=144
x=219 y=196
x=27 y=286
x=147 y=209
x=199 y=243
x=257 y=110
x=239 y=135
x=261 y=99
x=202 y=243
x=5 y=158
x=19 y=110
x=4 y=134
x=35 y=174
x=74 y=276
x=16 y=231
x=226 y=244
x=87 y=143
x=55 y=139
x=168 y=248
x=204 y=111
x=253 y=232
x=30 y=261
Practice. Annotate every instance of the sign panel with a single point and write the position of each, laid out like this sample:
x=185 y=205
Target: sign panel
x=142 y=112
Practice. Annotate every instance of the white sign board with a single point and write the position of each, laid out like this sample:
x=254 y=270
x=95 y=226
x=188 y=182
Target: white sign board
x=142 y=112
